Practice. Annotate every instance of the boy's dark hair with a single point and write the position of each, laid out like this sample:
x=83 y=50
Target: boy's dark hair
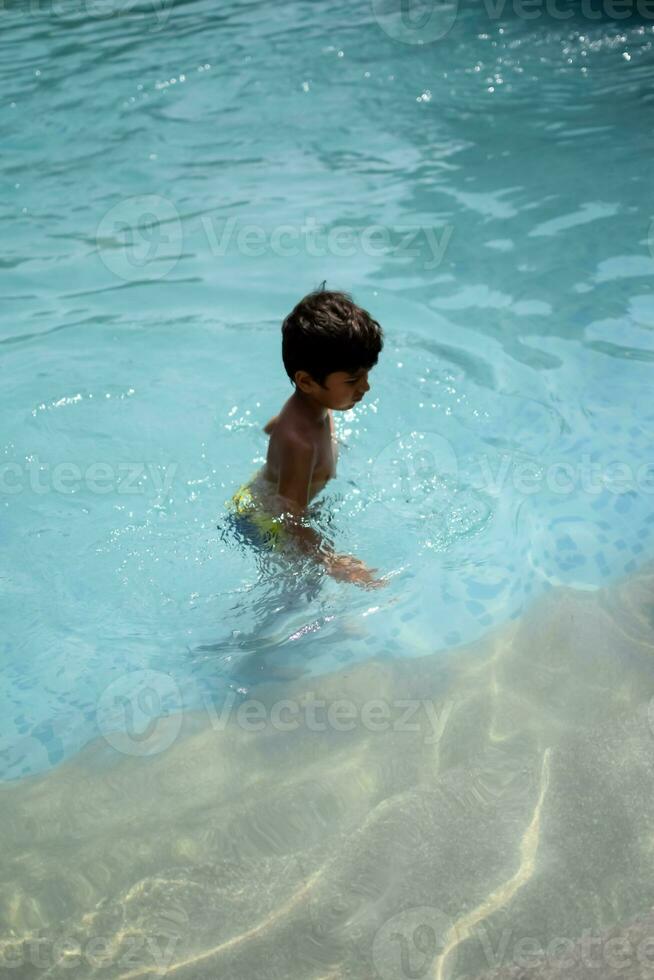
x=328 y=332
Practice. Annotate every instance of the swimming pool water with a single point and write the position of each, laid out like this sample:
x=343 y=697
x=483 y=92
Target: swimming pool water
x=174 y=178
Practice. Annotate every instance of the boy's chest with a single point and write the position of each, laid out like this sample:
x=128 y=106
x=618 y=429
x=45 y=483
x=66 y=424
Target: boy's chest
x=327 y=452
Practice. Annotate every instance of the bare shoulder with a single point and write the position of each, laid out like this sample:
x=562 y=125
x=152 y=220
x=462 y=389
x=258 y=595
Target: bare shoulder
x=291 y=440
x=283 y=421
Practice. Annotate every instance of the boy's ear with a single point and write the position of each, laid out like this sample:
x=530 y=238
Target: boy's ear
x=303 y=380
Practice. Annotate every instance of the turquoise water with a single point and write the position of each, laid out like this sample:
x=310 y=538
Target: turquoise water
x=173 y=179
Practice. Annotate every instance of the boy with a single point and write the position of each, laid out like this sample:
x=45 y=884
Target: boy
x=329 y=345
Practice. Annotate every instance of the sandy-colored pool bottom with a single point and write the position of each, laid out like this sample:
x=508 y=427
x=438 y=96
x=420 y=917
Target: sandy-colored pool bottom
x=442 y=817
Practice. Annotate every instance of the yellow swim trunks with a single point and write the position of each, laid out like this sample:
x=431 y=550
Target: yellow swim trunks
x=253 y=520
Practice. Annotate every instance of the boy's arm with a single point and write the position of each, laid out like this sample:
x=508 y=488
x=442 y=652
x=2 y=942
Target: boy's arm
x=295 y=474
x=296 y=464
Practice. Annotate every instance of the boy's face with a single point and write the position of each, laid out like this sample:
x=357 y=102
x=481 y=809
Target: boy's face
x=341 y=389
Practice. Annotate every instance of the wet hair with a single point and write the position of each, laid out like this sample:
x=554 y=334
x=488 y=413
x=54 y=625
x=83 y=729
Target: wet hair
x=328 y=332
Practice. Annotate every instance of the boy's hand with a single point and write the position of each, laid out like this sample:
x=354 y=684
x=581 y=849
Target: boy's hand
x=346 y=568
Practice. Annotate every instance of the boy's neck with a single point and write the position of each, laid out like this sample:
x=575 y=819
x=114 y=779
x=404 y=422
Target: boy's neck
x=309 y=406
